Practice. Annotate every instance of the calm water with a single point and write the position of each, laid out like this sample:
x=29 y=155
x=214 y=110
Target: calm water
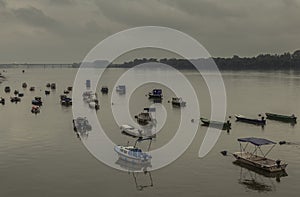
x=41 y=155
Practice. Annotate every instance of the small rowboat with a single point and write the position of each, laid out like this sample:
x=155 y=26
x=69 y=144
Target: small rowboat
x=216 y=124
x=242 y=118
x=283 y=118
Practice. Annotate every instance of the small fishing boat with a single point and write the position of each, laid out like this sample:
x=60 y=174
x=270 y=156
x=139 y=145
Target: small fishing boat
x=257 y=158
x=35 y=109
x=37 y=102
x=16 y=92
x=145 y=117
x=7 y=89
x=121 y=89
x=20 y=94
x=135 y=132
x=242 y=118
x=284 y=118
x=104 y=90
x=15 y=99
x=155 y=94
x=216 y=124
x=24 y=85
x=2 y=101
x=65 y=101
x=32 y=88
x=69 y=88
x=81 y=125
x=47 y=92
x=178 y=102
x=48 y=85
x=53 y=86
x=66 y=92
x=132 y=154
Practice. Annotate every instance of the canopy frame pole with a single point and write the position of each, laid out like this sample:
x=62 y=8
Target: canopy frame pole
x=269 y=150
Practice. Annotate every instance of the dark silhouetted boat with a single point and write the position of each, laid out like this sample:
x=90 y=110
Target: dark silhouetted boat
x=242 y=118
x=155 y=94
x=216 y=124
x=283 y=118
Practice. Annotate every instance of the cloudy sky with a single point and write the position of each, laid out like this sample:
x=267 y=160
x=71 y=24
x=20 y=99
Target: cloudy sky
x=65 y=30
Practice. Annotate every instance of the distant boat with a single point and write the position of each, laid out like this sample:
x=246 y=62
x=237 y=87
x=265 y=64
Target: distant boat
x=283 y=118
x=53 y=86
x=178 y=102
x=7 y=89
x=24 y=85
x=104 y=90
x=132 y=154
x=2 y=101
x=47 y=92
x=35 y=109
x=121 y=89
x=242 y=118
x=254 y=159
x=216 y=124
x=155 y=94
x=15 y=99
x=48 y=85
x=31 y=88
x=81 y=125
x=145 y=117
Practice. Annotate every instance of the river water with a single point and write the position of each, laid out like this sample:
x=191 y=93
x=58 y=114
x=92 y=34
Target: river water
x=41 y=155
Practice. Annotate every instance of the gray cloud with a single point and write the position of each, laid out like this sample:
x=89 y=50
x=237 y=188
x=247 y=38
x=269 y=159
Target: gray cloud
x=69 y=28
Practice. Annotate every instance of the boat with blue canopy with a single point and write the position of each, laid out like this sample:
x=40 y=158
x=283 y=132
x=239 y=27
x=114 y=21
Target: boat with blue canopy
x=257 y=158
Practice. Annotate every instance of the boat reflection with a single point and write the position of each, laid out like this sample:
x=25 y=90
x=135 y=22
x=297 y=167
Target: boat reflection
x=257 y=179
x=132 y=168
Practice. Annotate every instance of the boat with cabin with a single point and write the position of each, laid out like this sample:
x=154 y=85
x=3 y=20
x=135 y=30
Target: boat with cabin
x=257 y=158
x=132 y=154
x=283 y=118
x=145 y=117
x=155 y=94
x=242 y=118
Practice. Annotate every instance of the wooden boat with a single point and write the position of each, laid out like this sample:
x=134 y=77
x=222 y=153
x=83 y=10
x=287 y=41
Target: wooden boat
x=35 y=109
x=242 y=118
x=254 y=159
x=216 y=124
x=283 y=118
x=178 y=102
x=155 y=94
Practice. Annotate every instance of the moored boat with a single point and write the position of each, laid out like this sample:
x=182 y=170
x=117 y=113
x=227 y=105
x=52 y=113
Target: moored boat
x=24 y=85
x=216 y=124
x=257 y=158
x=35 y=109
x=104 y=90
x=145 y=117
x=155 y=94
x=135 y=132
x=178 y=102
x=242 y=118
x=7 y=89
x=53 y=86
x=284 y=118
x=132 y=154
x=2 y=101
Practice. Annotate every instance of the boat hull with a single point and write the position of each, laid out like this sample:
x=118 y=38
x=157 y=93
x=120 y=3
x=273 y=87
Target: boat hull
x=250 y=121
x=282 y=118
x=259 y=162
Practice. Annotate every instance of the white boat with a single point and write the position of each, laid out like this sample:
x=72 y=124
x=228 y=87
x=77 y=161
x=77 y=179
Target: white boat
x=132 y=154
x=257 y=158
x=135 y=132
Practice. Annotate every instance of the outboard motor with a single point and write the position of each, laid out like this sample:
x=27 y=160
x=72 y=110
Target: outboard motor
x=278 y=163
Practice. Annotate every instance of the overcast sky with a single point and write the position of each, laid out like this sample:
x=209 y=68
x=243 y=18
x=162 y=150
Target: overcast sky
x=65 y=30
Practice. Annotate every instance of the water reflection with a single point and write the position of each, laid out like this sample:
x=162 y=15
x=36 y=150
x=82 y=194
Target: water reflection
x=132 y=167
x=257 y=179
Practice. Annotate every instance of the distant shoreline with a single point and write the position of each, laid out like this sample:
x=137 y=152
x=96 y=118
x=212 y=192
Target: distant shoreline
x=286 y=61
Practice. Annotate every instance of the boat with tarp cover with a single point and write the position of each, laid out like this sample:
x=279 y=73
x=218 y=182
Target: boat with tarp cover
x=257 y=158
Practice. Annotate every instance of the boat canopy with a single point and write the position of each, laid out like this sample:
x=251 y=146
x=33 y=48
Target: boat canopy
x=256 y=141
